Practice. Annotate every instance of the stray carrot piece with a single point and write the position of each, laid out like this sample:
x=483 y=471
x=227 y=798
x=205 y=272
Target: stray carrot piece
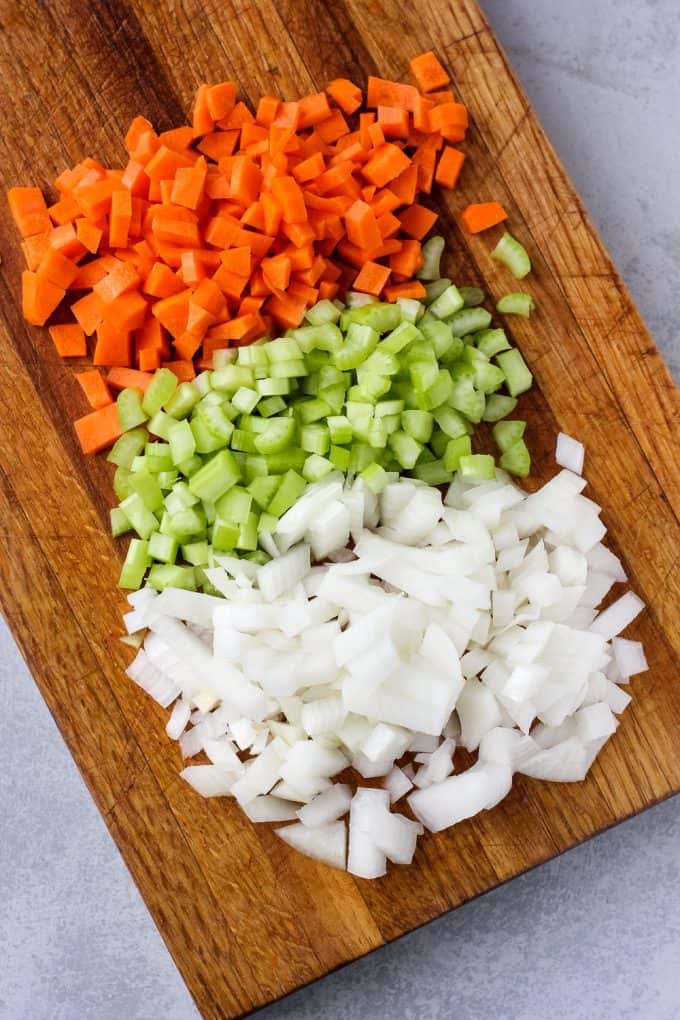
x=34 y=248
x=449 y=166
x=346 y=94
x=149 y=360
x=390 y=93
x=89 y=234
x=69 y=339
x=372 y=278
x=428 y=72
x=29 y=210
x=98 y=429
x=393 y=121
x=56 y=268
x=408 y=260
x=113 y=345
x=221 y=99
x=416 y=220
x=387 y=162
x=184 y=370
x=482 y=215
x=118 y=281
x=121 y=378
x=39 y=297
x=267 y=110
x=410 y=289
x=94 y=387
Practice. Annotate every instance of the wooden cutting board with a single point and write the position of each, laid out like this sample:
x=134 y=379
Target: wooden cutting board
x=245 y=919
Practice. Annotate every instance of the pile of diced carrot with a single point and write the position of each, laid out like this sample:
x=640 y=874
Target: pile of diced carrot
x=227 y=230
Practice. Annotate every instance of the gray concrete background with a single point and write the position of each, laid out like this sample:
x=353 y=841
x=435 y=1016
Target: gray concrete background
x=594 y=934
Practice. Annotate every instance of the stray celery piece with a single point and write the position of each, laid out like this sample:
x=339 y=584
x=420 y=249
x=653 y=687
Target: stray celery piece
x=147 y=488
x=455 y=449
x=135 y=565
x=432 y=472
x=469 y=320
x=119 y=522
x=182 y=442
x=291 y=488
x=518 y=378
x=159 y=391
x=161 y=424
x=196 y=553
x=279 y=434
x=163 y=548
x=448 y=303
x=234 y=505
x=472 y=296
x=417 y=424
x=183 y=400
x=165 y=575
x=130 y=410
x=513 y=255
x=491 y=342
x=507 y=433
x=375 y=478
x=140 y=517
x=519 y=303
x=477 y=467
x=127 y=447
x=316 y=467
x=516 y=459
x=224 y=535
x=498 y=406
x=216 y=476
x=432 y=251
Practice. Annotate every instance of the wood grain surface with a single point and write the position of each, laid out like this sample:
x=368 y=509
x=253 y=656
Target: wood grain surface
x=245 y=918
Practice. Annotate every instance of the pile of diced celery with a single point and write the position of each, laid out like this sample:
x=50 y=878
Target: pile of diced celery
x=209 y=466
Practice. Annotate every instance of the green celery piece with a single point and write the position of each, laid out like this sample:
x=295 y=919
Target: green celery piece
x=196 y=553
x=258 y=556
x=435 y=289
x=160 y=425
x=360 y=415
x=166 y=479
x=340 y=458
x=206 y=441
x=315 y=438
x=120 y=525
x=224 y=535
x=466 y=399
x=182 y=441
x=180 y=498
x=381 y=362
x=498 y=406
x=361 y=455
x=121 y=482
x=135 y=565
x=391 y=422
x=247 y=535
x=507 y=433
x=380 y=317
x=231 y=378
x=469 y=320
x=455 y=449
x=399 y=338
x=324 y=336
x=253 y=423
x=316 y=467
x=216 y=420
x=163 y=548
x=518 y=303
x=287 y=369
x=438 y=393
x=316 y=360
x=190 y=466
x=477 y=467
x=267 y=523
x=244 y=442
x=284 y=348
x=417 y=424
x=184 y=524
x=140 y=517
x=491 y=341
x=371 y=386
x=448 y=303
x=271 y=406
x=203 y=381
x=253 y=356
x=127 y=447
x=340 y=429
x=291 y=488
x=432 y=472
x=518 y=378
x=207 y=511
x=405 y=448
x=513 y=255
x=329 y=375
x=451 y=422
x=411 y=309
x=263 y=489
x=183 y=400
x=291 y=459
x=147 y=488
x=215 y=477
x=322 y=312
x=312 y=410
x=377 y=434
x=438 y=445
x=516 y=459
x=159 y=391
x=334 y=396
x=488 y=378
x=423 y=374
x=166 y=575
x=158 y=457
x=360 y=341
x=432 y=251
x=245 y=400
x=130 y=410
x=387 y=408
x=438 y=333
x=375 y=478
x=278 y=435
x=234 y=505
x=472 y=296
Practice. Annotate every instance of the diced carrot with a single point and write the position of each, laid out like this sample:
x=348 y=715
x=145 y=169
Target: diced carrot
x=254 y=216
x=178 y=139
x=217 y=144
x=209 y=296
x=449 y=115
x=421 y=114
x=393 y=121
x=388 y=225
x=152 y=336
x=372 y=278
x=89 y=312
x=449 y=166
x=416 y=220
x=69 y=339
x=290 y=198
x=172 y=312
x=405 y=185
x=149 y=360
x=34 y=248
x=425 y=159
x=202 y=121
x=119 y=220
x=118 y=281
x=189 y=185
x=309 y=168
x=313 y=110
x=332 y=128
x=428 y=72
x=288 y=311
x=89 y=234
x=29 y=210
x=39 y=297
x=408 y=260
x=362 y=226
x=221 y=99
x=161 y=282
x=56 y=268
x=65 y=240
x=113 y=345
x=126 y=312
x=94 y=387
x=239 y=116
x=267 y=110
x=276 y=271
x=98 y=429
x=376 y=134
x=386 y=163
x=121 y=378
x=327 y=290
x=184 y=370
x=482 y=215
x=231 y=284
x=346 y=94
x=411 y=289
x=65 y=210
x=437 y=98
x=390 y=93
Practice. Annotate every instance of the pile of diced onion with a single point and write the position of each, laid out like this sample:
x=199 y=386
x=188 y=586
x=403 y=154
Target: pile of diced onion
x=385 y=632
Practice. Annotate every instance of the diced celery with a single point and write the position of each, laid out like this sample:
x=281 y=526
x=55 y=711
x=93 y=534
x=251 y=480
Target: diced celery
x=235 y=505
x=361 y=455
x=360 y=341
x=121 y=482
x=224 y=535
x=182 y=442
x=163 y=547
x=203 y=381
x=386 y=408
x=435 y=289
x=477 y=467
x=316 y=467
x=253 y=423
x=158 y=457
x=291 y=488
x=377 y=434
x=322 y=312
x=232 y=377
x=315 y=438
x=438 y=393
x=340 y=458
x=432 y=251
x=247 y=535
x=448 y=303
x=466 y=399
x=491 y=342
x=273 y=387
x=432 y=472
x=340 y=429
x=391 y=422
x=405 y=448
x=196 y=553
x=244 y=441
x=216 y=476
x=190 y=467
x=312 y=410
x=455 y=449
x=359 y=415
x=136 y=562
x=256 y=355
x=507 y=433
x=370 y=386
x=518 y=378
x=166 y=479
x=518 y=303
x=451 y=422
x=127 y=447
x=498 y=406
x=216 y=420
x=160 y=425
x=130 y=410
x=263 y=489
x=245 y=400
x=438 y=333
x=516 y=459
x=334 y=396
x=512 y=254
x=404 y=334
x=322 y=336
x=159 y=391
x=417 y=424
x=206 y=441
x=270 y=406
x=278 y=434
x=411 y=309
x=375 y=478
x=164 y=575
x=258 y=556
x=438 y=445
x=488 y=378
x=287 y=369
x=147 y=488
x=119 y=522
x=423 y=374
x=380 y=317
x=183 y=400
x=472 y=296
x=283 y=349
x=184 y=524
x=469 y=320
x=140 y=517
x=291 y=459
x=380 y=362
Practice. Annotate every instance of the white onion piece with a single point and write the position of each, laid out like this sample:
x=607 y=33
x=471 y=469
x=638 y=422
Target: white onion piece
x=327 y=806
x=397 y=784
x=629 y=657
x=209 y=780
x=266 y=808
x=616 y=618
x=326 y=844
x=458 y=797
x=569 y=453
x=364 y=858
